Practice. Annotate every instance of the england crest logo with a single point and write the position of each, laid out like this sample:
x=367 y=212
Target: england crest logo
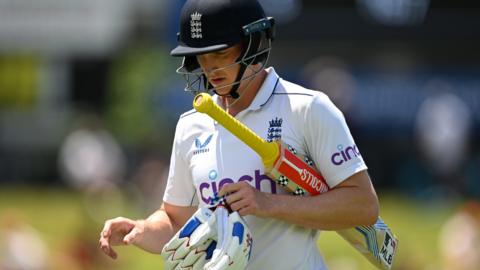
x=196 y=25
x=275 y=129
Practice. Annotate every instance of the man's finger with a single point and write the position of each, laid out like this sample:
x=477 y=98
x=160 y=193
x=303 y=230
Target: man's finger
x=112 y=253
x=103 y=242
x=245 y=211
x=106 y=248
x=106 y=231
x=239 y=205
x=131 y=237
x=234 y=197
x=229 y=188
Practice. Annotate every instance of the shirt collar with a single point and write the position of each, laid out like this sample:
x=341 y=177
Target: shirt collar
x=266 y=90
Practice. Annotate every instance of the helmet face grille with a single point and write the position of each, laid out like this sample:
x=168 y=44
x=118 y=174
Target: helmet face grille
x=254 y=53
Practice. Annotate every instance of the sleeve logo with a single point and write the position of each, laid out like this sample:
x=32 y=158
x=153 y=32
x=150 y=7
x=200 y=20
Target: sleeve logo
x=344 y=154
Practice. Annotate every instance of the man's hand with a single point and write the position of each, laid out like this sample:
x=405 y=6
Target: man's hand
x=119 y=231
x=246 y=200
x=149 y=234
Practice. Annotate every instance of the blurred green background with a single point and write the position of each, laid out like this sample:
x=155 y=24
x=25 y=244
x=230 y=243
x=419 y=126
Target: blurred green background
x=89 y=99
x=65 y=222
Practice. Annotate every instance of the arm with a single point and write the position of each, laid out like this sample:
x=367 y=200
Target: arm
x=351 y=203
x=154 y=232
x=150 y=234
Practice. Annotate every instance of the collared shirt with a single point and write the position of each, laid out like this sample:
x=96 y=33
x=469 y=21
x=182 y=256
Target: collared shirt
x=206 y=156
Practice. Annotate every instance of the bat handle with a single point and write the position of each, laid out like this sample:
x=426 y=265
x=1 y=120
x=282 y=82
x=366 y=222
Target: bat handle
x=269 y=152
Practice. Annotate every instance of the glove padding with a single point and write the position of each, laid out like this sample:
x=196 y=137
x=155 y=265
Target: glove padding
x=193 y=244
x=222 y=238
x=234 y=242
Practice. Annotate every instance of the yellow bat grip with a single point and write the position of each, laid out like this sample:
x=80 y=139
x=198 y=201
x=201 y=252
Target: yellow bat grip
x=268 y=152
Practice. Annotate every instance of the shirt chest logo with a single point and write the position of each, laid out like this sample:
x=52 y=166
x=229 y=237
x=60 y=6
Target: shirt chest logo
x=201 y=147
x=275 y=129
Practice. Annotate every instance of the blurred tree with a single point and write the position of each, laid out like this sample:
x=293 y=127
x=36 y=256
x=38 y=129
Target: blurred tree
x=135 y=77
x=19 y=81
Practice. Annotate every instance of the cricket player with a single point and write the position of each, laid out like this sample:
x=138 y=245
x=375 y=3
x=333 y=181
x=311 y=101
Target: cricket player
x=225 y=45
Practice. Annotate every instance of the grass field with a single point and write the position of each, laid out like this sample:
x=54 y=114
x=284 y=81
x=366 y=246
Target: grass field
x=69 y=223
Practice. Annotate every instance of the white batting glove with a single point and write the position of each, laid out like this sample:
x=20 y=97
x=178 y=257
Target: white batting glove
x=193 y=244
x=234 y=242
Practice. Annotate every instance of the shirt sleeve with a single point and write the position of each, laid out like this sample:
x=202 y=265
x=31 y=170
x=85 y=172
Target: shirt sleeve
x=180 y=190
x=330 y=143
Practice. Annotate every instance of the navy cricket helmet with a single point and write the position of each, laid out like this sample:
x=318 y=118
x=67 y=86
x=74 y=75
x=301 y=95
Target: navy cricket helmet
x=213 y=25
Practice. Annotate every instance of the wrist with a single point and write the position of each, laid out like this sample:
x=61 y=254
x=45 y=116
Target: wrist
x=271 y=205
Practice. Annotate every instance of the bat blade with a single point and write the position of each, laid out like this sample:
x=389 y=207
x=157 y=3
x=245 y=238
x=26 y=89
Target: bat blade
x=294 y=172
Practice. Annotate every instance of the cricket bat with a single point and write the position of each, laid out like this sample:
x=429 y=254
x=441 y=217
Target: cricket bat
x=297 y=174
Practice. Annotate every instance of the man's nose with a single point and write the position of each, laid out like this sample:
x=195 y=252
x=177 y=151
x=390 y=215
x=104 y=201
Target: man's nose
x=209 y=63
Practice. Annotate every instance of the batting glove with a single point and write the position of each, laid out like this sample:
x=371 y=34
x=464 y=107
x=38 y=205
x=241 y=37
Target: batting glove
x=234 y=242
x=193 y=244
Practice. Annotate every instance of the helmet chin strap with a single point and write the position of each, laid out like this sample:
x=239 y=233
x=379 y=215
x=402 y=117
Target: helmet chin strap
x=239 y=97
x=234 y=91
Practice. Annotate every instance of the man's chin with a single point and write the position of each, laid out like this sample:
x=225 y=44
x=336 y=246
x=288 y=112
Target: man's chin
x=222 y=90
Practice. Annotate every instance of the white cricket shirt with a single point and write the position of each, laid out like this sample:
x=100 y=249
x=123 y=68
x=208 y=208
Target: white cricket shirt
x=206 y=156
